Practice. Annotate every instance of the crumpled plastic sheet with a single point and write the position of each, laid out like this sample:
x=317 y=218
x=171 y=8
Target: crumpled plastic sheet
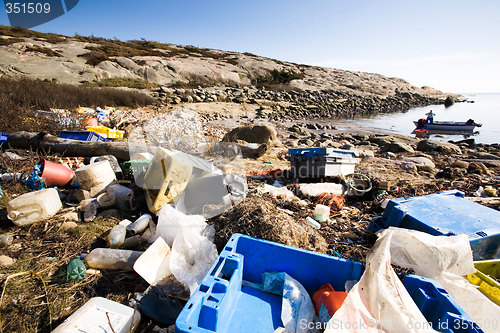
x=445 y=259
x=297 y=306
x=379 y=302
x=193 y=250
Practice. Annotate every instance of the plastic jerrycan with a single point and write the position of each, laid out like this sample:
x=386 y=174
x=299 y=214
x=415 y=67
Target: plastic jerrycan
x=215 y=190
x=34 y=206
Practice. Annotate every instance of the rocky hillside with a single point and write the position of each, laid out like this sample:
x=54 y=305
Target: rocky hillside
x=190 y=74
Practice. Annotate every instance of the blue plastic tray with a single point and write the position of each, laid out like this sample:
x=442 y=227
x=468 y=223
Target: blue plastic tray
x=82 y=136
x=437 y=306
x=446 y=213
x=222 y=303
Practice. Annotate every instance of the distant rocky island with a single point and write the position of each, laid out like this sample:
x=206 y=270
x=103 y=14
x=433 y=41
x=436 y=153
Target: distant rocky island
x=179 y=74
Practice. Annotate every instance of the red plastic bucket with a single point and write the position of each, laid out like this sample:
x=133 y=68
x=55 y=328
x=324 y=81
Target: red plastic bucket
x=55 y=174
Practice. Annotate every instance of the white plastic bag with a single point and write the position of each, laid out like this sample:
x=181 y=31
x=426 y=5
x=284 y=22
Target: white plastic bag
x=172 y=221
x=445 y=259
x=192 y=256
x=379 y=302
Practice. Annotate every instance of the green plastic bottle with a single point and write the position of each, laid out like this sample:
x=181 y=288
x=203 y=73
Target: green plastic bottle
x=76 y=270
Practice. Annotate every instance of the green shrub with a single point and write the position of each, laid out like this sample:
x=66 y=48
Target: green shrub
x=277 y=77
x=26 y=33
x=45 y=50
x=8 y=41
x=191 y=48
x=94 y=57
x=122 y=82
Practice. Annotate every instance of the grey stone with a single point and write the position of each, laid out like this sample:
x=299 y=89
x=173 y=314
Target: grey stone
x=398 y=147
x=420 y=161
x=390 y=155
x=253 y=134
x=408 y=166
x=444 y=147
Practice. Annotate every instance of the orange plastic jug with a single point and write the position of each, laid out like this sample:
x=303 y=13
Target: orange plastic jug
x=329 y=297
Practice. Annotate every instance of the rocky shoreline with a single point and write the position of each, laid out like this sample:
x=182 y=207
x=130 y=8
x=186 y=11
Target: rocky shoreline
x=279 y=105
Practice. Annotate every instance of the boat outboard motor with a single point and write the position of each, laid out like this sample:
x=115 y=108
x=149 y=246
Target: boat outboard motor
x=421 y=123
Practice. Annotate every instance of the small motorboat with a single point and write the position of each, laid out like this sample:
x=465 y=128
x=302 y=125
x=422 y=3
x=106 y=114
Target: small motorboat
x=468 y=125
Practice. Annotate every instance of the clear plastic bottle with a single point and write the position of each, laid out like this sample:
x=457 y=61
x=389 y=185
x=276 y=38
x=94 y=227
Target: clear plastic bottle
x=117 y=236
x=89 y=208
x=117 y=259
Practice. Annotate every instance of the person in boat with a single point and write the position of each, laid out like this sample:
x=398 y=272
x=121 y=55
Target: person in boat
x=430 y=117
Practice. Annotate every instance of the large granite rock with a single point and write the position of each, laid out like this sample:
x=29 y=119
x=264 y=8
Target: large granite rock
x=439 y=146
x=253 y=134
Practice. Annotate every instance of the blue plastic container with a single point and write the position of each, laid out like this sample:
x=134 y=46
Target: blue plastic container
x=223 y=304
x=437 y=306
x=82 y=136
x=3 y=139
x=446 y=213
x=321 y=162
x=321 y=151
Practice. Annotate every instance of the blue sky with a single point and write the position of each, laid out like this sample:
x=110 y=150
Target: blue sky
x=453 y=46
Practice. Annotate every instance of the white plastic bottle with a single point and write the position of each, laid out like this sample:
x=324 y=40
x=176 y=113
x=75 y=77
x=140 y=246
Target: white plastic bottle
x=6 y=240
x=117 y=236
x=140 y=224
x=117 y=259
x=34 y=206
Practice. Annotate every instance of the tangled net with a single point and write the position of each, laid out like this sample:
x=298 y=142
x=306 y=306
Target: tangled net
x=334 y=201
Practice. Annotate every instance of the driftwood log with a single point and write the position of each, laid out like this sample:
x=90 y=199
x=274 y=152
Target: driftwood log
x=76 y=148
x=67 y=147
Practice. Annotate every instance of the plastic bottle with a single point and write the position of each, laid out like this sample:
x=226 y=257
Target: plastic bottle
x=76 y=270
x=89 y=208
x=117 y=236
x=321 y=213
x=6 y=240
x=102 y=258
x=34 y=206
x=139 y=225
x=313 y=222
x=131 y=241
x=123 y=196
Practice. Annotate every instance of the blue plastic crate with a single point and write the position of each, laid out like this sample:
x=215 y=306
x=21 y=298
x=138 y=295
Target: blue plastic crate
x=438 y=307
x=3 y=139
x=82 y=136
x=446 y=213
x=327 y=152
x=321 y=162
x=222 y=304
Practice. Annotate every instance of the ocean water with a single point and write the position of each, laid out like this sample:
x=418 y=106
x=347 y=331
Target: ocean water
x=485 y=110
